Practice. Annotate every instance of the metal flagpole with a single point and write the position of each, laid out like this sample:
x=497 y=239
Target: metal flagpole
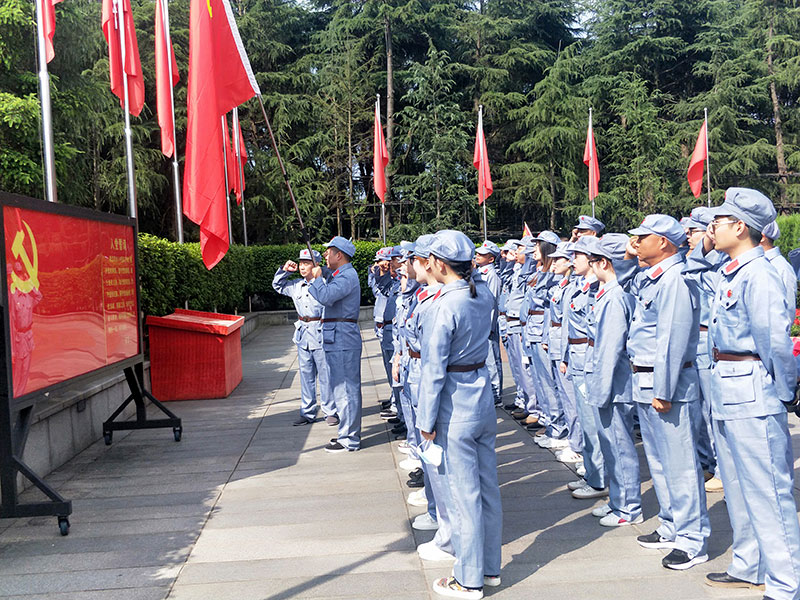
x=303 y=230
x=227 y=183
x=238 y=153
x=708 y=164
x=50 y=191
x=483 y=145
x=120 y=25
x=591 y=129
x=176 y=176
x=383 y=201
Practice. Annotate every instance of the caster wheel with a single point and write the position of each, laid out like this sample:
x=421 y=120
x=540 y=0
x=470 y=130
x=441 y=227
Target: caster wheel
x=63 y=525
x=107 y=436
x=177 y=432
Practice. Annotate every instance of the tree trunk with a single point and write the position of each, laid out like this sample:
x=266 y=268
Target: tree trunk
x=776 y=112
x=350 y=169
x=553 y=197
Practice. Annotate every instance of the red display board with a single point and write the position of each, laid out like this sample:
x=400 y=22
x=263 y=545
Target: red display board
x=71 y=292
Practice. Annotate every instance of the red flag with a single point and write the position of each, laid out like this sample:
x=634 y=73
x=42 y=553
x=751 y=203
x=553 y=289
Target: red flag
x=132 y=65
x=163 y=84
x=480 y=159
x=220 y=78
x=591 y=161
x=48 y=9
x=230 y=159
x=380 y=156
x=238 y=187
x=699 y=157
x=526 y=231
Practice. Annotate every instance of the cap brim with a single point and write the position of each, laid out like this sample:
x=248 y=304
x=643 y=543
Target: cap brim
x=641 y=231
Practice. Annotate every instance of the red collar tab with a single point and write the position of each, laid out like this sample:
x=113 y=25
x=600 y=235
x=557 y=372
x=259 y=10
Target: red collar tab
x=731 y=266
x=587 y=286
x=485 y=270
x=600 y=295
x=437 y=294
x=563 y=282
x=422 y=295
x=335 y=273
x=411 y=316
x=656 y=274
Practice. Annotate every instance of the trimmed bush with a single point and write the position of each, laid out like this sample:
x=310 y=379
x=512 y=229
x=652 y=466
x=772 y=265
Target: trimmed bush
x=171 y=273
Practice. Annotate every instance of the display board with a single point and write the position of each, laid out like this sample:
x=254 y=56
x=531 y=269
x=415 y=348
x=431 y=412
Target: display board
x=70 y=290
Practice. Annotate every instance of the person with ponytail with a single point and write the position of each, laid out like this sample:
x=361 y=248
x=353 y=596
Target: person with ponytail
x=456 y=411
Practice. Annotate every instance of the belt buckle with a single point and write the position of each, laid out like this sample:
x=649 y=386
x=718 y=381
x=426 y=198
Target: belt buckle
x=715 y=354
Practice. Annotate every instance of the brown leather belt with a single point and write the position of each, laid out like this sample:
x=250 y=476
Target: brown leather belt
x=502 y=314
x=574 y=341
x=535 y=312
x=703 y=328
x=591 y=343
x=413 y=354
x=340 y=320
x=554 y=324
x=309 y=319
x=512 y=318
x=638 y=369
x=717 y=355
x=464 y=368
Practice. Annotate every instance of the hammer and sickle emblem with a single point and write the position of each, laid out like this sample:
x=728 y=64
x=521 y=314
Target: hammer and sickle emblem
x=18 y=250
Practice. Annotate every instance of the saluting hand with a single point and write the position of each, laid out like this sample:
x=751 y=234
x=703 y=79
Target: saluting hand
x=290 y=266
x=316 y=271
x=662 y=406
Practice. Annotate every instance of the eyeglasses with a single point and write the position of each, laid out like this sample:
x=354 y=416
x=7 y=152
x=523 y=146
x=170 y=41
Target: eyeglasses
x=594 y=260
x=715 y=224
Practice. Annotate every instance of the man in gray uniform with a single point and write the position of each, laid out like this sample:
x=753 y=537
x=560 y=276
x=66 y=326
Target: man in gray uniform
x=339 y=292
x=485 y=256
x=307 y=338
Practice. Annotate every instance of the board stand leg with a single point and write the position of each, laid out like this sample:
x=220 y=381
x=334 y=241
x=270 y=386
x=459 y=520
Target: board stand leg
x=137 y=396
x=12 y=446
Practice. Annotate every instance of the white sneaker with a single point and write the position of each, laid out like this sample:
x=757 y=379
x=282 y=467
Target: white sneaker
x=491 y=580
x=612 y=520
x=552 y=443
x=418 y=498
x=587 y=492
x=539 y=436
x=580 y=469
x=568 y=456
x=405 y=447
x=410 y=464
x=430 y=551
x=425 y=522
x=442 y=587
x=601 y=511
x=576 y=485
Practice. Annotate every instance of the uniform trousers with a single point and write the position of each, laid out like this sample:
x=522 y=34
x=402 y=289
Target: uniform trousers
x=670 y=447
x=566 y=397
x=620 y=459
x=311 y=365
x=549 y=406
x=520 y=369
x=344 y=377
x=757 y=469
x=705 y=434
x=588 y=417
x=473 y=501
x=494 y=363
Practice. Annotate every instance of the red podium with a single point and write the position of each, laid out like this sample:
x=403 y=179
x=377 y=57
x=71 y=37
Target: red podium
x=195 y=355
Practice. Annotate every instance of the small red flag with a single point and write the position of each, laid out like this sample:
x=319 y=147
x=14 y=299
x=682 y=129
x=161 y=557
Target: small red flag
x=163 y=84
x=238 y=187
x=480 y=160
x=591 y=161
x=526 y=231
x=220 y=78
x=48 y=8
x=696 y=164
x=133 y=67
x=380 y=156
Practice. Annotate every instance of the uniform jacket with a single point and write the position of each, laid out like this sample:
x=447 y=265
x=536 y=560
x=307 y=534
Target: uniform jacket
x=339 y=292
x=306 y=335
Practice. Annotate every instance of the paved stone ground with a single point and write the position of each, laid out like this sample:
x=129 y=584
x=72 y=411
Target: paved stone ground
x=247 y=506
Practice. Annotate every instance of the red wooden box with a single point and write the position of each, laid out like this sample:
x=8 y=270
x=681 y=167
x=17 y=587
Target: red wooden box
x=195 y=355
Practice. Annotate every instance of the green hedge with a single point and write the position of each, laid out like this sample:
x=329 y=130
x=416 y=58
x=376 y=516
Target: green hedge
x=171 y=274
x=790 y=233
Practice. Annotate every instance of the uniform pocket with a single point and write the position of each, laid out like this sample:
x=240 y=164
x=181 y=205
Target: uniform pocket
x=643 y=380
x=329 y=333
x=736 y=381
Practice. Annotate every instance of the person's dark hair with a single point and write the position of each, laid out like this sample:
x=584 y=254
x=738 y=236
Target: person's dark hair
x=755 y=236
x=546 y=249
x=463 y=269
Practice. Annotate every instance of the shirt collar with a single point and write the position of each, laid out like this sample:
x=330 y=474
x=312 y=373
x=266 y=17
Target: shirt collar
x=772 y=252
x=658 y=270
x=606 y=288
x=734 y=265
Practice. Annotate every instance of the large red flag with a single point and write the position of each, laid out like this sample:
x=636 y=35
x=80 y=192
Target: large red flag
x=132 y=65
x=238 y=179
x=699 y=157
x=163 y=84
x=230 y=158
x=48 y=9
x=220 y=78
x=590 y=160
x=380 y=156
x=480 y=159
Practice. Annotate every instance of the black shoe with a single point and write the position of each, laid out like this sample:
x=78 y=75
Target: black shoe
x=679 y=560
x=393 y=421
x=399 y=429
x=509 y=407
x=729 y=581
x=302 y=421
x=388 y=414
x=415 y=474
x=335 y=447
x=415 y=483
x=655 y=541
x=534 y=426
x=520 y=414
x=386 y=404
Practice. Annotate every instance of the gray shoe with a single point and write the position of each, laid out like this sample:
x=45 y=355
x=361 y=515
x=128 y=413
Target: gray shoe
x=587 y=492
x=576 y=485
x=332 y=420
